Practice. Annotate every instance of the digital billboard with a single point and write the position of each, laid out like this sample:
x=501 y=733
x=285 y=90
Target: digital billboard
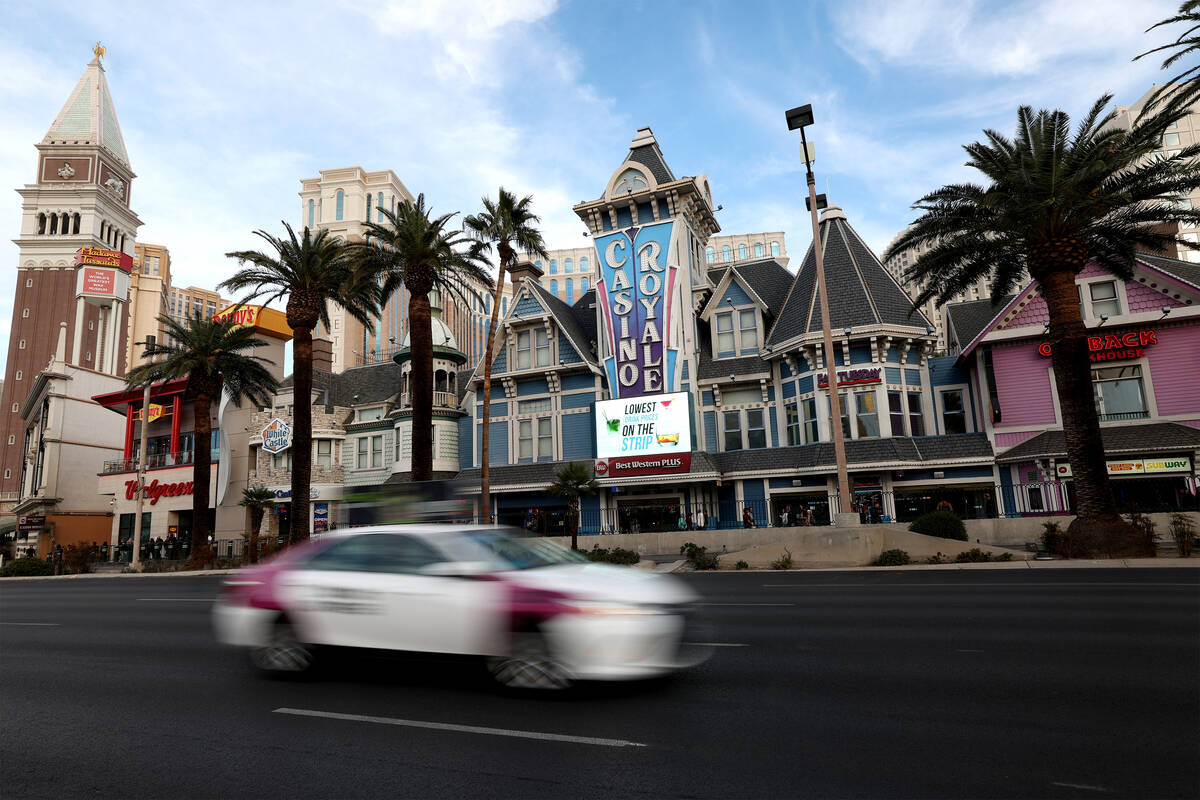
x=652 y=425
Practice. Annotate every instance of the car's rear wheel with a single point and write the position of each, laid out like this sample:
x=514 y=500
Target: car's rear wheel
x=283 y=654
x=530 y=665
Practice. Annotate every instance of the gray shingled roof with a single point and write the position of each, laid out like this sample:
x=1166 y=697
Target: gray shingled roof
x=584 y=312
x=647 y=155
x=567 y=321
x=1184 y=270
x=887 y=450
x=373 y=383
x=709 y=368
x=969 y=319
x=861 y=291
x=769 y=279
x=1155 y=437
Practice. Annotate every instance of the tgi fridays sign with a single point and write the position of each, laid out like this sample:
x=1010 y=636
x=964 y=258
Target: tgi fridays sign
x=1112 y=346
x=636 y=288
x=853 y=377
x=1125 y=467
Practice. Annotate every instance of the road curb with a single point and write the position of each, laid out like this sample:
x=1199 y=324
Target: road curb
x=1120 y=563
x=103 y=575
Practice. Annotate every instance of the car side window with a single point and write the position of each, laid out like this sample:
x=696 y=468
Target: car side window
x=350 y=554
x=396 y=553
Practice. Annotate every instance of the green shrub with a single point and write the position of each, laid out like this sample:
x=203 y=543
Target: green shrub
x=1183 y=531
x=943 y=524
x=1004 y=557
x=154 y=565
x=699 y=557
x=784 y=561
x=742 y=565
x=26 y=567
x=893 y=558
x=617 y=555
x=937 y=558
x=1055 y=540
x=1147 y=528
x=974 y=555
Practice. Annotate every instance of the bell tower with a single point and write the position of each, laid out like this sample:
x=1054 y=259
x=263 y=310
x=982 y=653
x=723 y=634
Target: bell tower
x=75 y=253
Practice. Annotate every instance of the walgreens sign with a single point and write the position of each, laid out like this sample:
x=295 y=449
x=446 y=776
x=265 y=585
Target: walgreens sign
x=1113 y=346
x=155 y=490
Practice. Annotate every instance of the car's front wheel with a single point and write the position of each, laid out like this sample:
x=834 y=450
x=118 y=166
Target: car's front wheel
x=530 y=665
x=283 y=654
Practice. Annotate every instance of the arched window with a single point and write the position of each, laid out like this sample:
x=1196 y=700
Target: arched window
x=554 y=288
x=583 y=267
x=54 y=225
x=568 y=266
x=66 y=224
x=312 y=208
x=710 y=254
x=583 y=286
x=41 y=223
x=122 y=247
x=341 y=200
x=570 y=290
x=630 y=181
x=758 y=250
x=368 y=207
x=75 y=226
x=725 y=253
x=554 y=266
x=742 y=252
x=775 y=249
x=504 y=305
x=379 y=205
x=538 y=264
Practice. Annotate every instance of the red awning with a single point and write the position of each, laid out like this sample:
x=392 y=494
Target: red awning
x=119 y=401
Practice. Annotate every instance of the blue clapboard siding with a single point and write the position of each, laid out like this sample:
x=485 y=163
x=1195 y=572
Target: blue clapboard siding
x=710 y=431
x=530 y=387
x=893 y=375
x=466 y=458
x=570 y=382
x=912 y=377
x=580 y=400
x=528 y=306
x=577 y=436
x=566 y=353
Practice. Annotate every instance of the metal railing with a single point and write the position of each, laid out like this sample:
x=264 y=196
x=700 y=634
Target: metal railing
x=440 y=399
x=1124 y=415
x=156 y=461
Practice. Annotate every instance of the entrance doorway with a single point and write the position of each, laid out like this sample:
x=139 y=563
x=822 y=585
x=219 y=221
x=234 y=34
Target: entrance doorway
x=643 y=515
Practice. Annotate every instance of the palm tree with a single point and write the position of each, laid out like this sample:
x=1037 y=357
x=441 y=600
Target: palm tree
x=258 y=499
x=211 y=355
x=509 y=225
x=1183 y=89
x=410 y=248
x=572 y=482
x=312 y=271
x=1054 y=202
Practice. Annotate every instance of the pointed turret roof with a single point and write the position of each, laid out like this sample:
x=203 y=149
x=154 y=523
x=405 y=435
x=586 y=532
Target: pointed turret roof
x=861 y=291
x=89 y=116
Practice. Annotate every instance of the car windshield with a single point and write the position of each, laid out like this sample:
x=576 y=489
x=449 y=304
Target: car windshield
x=504 y=551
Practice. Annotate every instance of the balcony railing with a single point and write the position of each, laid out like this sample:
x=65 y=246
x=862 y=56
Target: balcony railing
x=155 y=461
x=440 y=400
x=1124 y=415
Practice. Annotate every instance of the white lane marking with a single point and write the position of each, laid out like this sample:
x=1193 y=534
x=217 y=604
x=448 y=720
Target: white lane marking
x=1080 y=786
x=968 y=651
x=446 y=726
x=34 y=624
x=177 y=599
x=1013 y=585
x=715 y=644
x=746 y=604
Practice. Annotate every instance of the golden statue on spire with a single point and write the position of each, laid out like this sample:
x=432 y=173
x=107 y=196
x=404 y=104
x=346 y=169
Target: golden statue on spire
x=99 y=50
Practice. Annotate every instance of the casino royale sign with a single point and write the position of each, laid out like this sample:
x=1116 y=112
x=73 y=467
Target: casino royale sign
x=1113 y=346
x=636 y=288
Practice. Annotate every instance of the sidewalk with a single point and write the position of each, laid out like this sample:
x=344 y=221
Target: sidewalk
x=1102 y=563
x=101 y=575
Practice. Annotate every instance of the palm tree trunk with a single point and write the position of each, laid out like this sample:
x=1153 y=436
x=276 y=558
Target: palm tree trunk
x=573 y=506
x=421 y=385
x=201 y=472
x=256 y=518
x=485 y=478
x=301 y=433
x=1097 y=529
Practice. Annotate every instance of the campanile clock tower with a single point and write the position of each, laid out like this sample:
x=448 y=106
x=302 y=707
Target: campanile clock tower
x=75 y=253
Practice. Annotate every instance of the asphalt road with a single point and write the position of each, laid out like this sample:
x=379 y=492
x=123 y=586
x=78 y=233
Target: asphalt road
x=1038 y=683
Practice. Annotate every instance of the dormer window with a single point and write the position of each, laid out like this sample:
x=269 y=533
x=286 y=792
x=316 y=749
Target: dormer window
x=370 y=414
x=631 y=180
x=737 y=330
x=1104 y=299
x=533 y=348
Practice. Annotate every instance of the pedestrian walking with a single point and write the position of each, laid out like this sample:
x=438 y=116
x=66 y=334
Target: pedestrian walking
x=747 y=518
x=785 y=516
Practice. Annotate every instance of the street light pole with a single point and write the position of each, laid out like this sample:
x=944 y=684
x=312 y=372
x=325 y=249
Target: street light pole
x=135 y=556
x=802 y=117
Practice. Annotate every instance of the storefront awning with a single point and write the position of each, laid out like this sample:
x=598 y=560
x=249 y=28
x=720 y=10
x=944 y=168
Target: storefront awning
x=1156 y=437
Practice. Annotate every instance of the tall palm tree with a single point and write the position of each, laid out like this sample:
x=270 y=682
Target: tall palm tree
x=211 y=355
x=572 y=482
x=258 y=499
x=1054 y=202
x=509 y=225
x=1183 y=89
x=312 y=271
x=408 y=247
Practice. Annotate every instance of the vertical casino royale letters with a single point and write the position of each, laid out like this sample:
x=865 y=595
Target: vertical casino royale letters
x=636 y=288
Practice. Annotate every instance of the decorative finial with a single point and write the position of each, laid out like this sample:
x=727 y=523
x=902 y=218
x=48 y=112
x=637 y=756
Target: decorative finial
x=99 y=50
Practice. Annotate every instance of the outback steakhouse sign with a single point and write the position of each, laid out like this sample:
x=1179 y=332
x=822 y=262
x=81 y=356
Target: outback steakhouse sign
x=155 y=490
x=1113 y=346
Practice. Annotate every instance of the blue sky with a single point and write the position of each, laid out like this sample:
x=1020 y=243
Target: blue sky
x=225 y=107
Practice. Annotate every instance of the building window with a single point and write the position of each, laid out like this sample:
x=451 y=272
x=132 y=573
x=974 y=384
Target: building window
x=554 y=287
x=19 y=375
x=533 y=406
x=742 y=251
x=282 y=461
x=324 y=453
x=710 y=255
x=15 y=408
x=568 y=266
x=758 y=250
x=340 y=199
x=369 y=198
x=733 y=430
x=570 y=289
x=542 y=344
x=793 y=424
x=312 y=207
x=21 y=346
x=370 y=414
x=756 y=429
x=749 y=329
x=845 y=409
x=725 y=341
x=583 y=287
x=554 y=266
x=1104 y=298
x=545 y=439
x=954 y=414
x=377 y=451
x=915 y=426
x=896 y=413
x=775 y=249
x=809 y=407
x=583 y=264
x=725 y=252
x=12 y=439
x=1170 y=140
x=1119 y=393
x=630 y=181
x=538 y=264
x=362 y=446
x=866 y=415
x=25 y=313
x=29 y=283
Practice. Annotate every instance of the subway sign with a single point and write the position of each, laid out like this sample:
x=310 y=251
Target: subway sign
x=1113 y=346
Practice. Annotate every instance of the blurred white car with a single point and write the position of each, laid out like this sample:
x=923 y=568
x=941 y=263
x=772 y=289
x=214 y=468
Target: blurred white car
x=542 y=615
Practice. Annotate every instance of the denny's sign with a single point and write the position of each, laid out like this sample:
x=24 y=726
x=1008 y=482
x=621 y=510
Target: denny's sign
x=1113 y=346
